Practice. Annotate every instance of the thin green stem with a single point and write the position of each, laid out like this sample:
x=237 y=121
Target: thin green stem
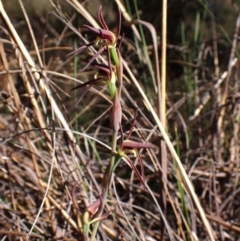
x=109 y=177
x=116 y=57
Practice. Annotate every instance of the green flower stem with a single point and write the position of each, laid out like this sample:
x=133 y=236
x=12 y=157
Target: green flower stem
x=109 y=177
x=114 y=56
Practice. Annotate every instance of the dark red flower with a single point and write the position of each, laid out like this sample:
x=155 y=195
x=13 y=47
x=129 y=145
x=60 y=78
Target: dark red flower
x=104 y=76
x=128 y=147
x=103 y=34
x=92 y=212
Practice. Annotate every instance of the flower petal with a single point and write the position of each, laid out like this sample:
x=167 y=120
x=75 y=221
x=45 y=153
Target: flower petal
x=79 y=50
x=141 y=165
x=94 y=207
x=90 y=83
x=133 y=124
x=82 y=95
x=103 y=34
x=119 y=21
x=103 y=69
x=134 y=144
x=93 y=58
x=101 y=19
x=129 y=161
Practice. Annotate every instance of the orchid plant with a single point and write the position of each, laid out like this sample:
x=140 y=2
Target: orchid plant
x=109 y=74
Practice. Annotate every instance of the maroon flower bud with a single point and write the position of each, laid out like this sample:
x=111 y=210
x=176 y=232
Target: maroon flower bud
x=116 y=113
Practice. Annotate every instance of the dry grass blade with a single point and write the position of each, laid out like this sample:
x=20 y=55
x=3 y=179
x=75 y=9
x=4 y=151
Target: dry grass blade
x=230 y=67
x=78 y=6
x=163 y=64
x=21 y=51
